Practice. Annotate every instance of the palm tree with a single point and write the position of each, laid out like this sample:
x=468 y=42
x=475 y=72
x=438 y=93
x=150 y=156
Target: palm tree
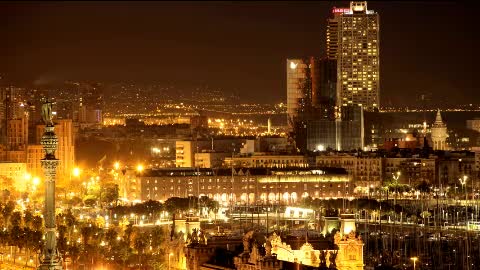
x=29 y=241
x=73 y=251
x=128 y=234
x=426 y=215
x=36 y=242
x=37 y=223
x=140 y=243
x=7 y=211
x=87 y=231
x=62 y=241
x=90 y=249
x=16 y=235
x=4 y=236
x=111 y=241
x=16 y=219
x=28 y=218
x=69 y=221
x=158 y=237
x=124 y=251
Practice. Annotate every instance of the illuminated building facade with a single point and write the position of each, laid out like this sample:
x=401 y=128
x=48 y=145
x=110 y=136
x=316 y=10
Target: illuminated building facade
x=267 y=161
x=346 y=133
x=297 y=96
x=322 y=135
x=14 y=172
x=246 y=186
x=210 y=159
x=185 y=151
x=312 y=114
x=311 y=97
x=17 y=138
x=112 y=121
x=89 y=116
x=366 y=171
x=353 y=40
x=128 y=185
x=34 y=155
x=413 y=171
x=12 y=156
x=455 y=166
x=345 y=252
x=474 y=124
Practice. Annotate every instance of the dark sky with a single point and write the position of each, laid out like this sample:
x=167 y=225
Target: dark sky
x=236 y=46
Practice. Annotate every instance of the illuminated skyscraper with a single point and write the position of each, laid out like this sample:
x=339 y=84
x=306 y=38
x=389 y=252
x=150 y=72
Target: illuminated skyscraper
x=311 y=94
x=353 y=40
x=298 y=72
x=17 y=138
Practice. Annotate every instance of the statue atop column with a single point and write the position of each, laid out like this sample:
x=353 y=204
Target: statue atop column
x=51 y=258
x=47 y=115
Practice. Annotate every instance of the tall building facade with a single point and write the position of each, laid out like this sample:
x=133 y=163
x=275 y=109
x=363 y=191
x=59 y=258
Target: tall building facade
x=17 y=133
x=324 y=87
x=353 y=40
x=326 y=96
x=311 y=88
x=12 y=106
x=311 y=96
x=298 y=73
x=34 y=155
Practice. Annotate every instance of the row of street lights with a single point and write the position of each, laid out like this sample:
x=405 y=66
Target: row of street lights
x=139 y=168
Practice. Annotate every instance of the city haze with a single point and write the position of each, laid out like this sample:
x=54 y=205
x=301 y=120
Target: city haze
x=237 y=47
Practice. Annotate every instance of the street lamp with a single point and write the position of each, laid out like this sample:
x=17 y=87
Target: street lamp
x=414 y=259
x=76 y=172
x=116 y=165
x=27 y=176
x=139 y=168
x=463 y=181
x=396 y=177
x=36 y=181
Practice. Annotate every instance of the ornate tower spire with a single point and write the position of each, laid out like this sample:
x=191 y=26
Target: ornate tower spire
x=439 y=133
x=50 y=259
x=438 y=120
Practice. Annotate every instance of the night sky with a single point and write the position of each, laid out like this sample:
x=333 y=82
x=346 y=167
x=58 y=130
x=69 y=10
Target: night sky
x=426 y=48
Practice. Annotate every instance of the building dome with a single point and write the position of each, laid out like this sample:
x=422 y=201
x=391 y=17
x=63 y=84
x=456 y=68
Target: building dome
x=439 y=133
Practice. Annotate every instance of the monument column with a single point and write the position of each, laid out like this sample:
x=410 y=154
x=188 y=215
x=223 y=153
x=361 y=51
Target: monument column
x=50 y=259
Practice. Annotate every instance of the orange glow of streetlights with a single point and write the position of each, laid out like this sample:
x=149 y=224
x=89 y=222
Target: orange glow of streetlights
x=139 y=168
x=116 y=165
x=76 y=172
x=36 y=181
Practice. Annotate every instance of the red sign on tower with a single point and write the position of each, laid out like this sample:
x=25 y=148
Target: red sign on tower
x=340 y=10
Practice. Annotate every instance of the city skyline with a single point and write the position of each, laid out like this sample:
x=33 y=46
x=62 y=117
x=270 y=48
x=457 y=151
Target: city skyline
x=184 y=43
x=239 y=136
